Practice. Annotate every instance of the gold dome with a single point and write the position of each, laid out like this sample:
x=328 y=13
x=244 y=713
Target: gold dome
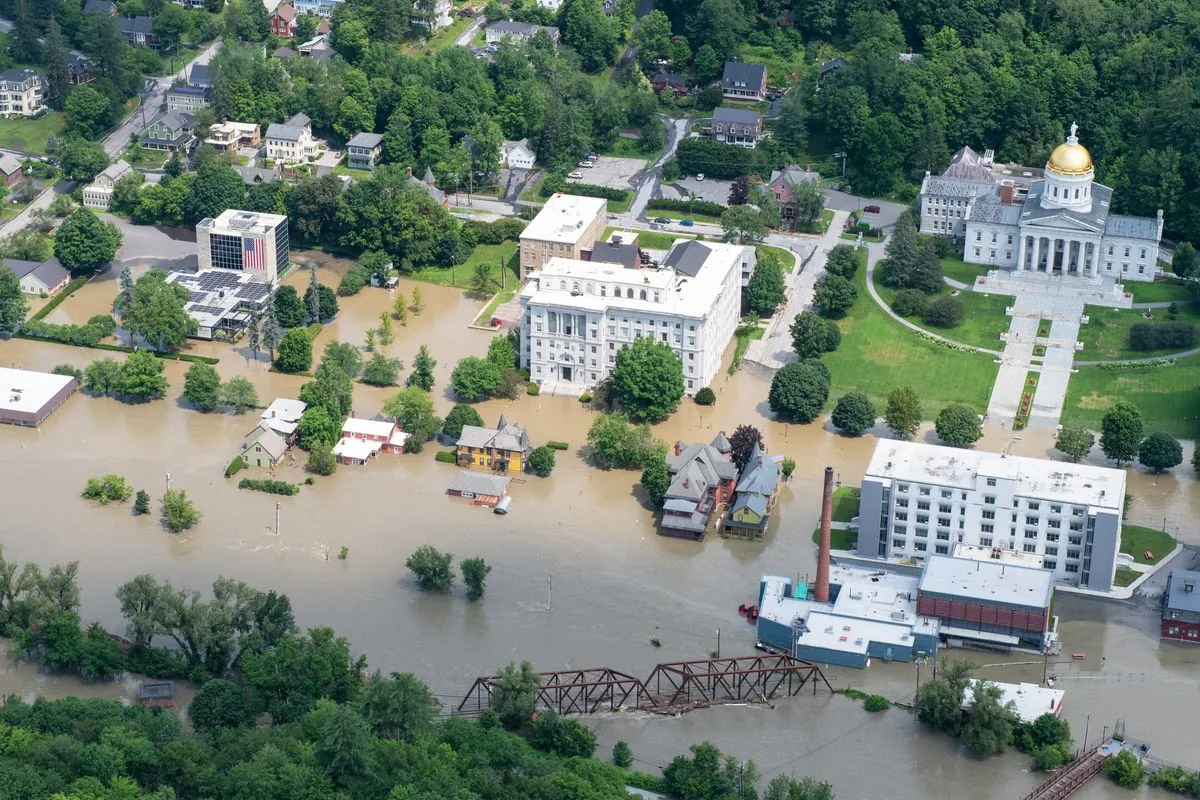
x=1070 y=158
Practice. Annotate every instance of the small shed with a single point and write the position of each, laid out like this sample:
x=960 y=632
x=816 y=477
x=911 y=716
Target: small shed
x=159 y=694
x=481 y=490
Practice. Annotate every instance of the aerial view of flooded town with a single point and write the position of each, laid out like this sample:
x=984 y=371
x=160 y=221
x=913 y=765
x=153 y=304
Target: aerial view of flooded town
x=598 y=399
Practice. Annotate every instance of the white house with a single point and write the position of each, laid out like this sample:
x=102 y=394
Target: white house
x=517 y=155
x=553 y=5
x=39 y=277
x=291 y=141
x=576 y=315
x=322 y=8
x=98 y=193
x=22 y=92
x=434 y=14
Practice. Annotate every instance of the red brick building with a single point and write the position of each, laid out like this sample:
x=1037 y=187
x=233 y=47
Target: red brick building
x=283 y=21
x=1181 y=606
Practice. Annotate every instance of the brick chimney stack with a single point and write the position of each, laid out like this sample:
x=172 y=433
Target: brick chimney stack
x=821 y=591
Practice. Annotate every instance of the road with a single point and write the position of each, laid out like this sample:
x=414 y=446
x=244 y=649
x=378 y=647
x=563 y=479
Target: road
x=677 y=129
x=114 y=143
x=464 y=38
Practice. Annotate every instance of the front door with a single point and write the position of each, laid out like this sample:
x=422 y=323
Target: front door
x=567 y=373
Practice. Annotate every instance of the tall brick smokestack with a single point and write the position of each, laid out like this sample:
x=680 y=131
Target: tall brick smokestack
x=821 y=592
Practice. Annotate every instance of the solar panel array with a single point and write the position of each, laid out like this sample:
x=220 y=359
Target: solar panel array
x=197 y=297
x=254 y=290
x=214 y=310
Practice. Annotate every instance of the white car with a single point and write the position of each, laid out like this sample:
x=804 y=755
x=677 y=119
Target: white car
x=586 y=164
x=700 y=176
x=576 y=175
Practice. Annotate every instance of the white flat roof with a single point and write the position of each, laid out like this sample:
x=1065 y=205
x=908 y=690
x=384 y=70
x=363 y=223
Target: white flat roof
x=234 y=221
x=991 y=581
x=1018 y=558
x=564 y=218
x=1079 y=484
x=285 y=408
x=361 y=449
x=679 y=294
x=368 y=427
x=1029 y=700
x=26 y=392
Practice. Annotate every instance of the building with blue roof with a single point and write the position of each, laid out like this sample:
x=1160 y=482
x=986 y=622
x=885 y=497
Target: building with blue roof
x=755 y=494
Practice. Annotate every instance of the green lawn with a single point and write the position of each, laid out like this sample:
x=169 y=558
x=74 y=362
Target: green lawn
x=838 y=539
x=704 y=218
x=853 y=237
x=1137 y=541
x=631 y=148
x=983 y=319
x=786 y=256
x=877 y=354
x=29 y=135
x=958 y=270
x=357 y=174
x=1168 y=291
x=781 y=67
x=498 y=300
x=149 y=159
x=820 y=226
x=1166 y=396
x=745 y=334
x=1106 y=335
x=1125 y=576
x=464 y=274
x=845 y=503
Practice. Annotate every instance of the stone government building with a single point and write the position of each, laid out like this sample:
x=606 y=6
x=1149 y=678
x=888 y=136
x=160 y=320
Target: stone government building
x=1054 y=221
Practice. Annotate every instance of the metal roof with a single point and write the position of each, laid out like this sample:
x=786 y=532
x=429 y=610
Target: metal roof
x=1178 y=597
x=987 y=581
x=478 y=483
x=741 y=116
x=753 y=75
x=1094 y=219
x=368 y=141
x=688 y=257
x=1132 y=227
x=997 y=213
x=9 y=164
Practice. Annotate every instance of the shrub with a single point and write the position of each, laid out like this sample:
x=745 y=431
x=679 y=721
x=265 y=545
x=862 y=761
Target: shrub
x=876 y=703
x=586 y=397
x=557 y=183
x=79 y=335
x=269 y=486
x=541 y=461
x=67 y=369
x=431 y=568
x=237 y=465
x=533 y=390
x=107 y=489
x=687 y=206
x=622 y=756
x=446 y=457
x=910 y=303
x=558 y=445
x=705 y=397
x=945 y=312
x=1162 y=335
x=502 y=230
x=321 y=460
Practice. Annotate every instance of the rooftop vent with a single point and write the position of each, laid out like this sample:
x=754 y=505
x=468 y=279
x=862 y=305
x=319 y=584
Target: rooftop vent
x=1189 y=586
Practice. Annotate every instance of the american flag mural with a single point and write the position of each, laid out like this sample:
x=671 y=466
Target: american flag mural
x=254 y=254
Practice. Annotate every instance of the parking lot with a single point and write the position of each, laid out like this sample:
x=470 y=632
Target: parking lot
x=708 y=189
x=615 y=173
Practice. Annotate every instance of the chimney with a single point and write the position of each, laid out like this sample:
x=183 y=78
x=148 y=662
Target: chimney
x=1006 y=194
x=821 y=593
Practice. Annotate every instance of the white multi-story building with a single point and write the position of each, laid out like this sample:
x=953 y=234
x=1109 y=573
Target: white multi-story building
x=576 y=315
x=1057 y=223
x=22 y=92
x=434 y=14
x=322 y=8
x=98 y=193
x=245 y=241
x=566 y=227
x=292 y=142
x=920 y=499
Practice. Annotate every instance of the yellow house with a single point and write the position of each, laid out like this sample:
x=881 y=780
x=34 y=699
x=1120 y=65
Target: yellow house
x=757 y=491
x=504 y=448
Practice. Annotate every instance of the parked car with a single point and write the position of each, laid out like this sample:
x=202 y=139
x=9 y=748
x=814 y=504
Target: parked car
x=687 y=223
x=662 y=220
x=700 y=176
x=576 y=175
x=871 y=209
x=586 y=164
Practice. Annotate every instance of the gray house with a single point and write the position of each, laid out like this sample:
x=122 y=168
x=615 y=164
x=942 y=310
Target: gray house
x=744 y=81
x=170 y=130
x=363 y=150
x=740 y=126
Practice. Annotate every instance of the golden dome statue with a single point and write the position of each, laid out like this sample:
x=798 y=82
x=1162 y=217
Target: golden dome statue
x=1070 y=158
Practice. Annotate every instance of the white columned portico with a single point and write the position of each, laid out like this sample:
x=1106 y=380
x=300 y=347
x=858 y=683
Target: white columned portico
x=1021 y=253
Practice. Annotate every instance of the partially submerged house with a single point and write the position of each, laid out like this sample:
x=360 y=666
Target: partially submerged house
x=505 y=448
x=702 y=482
x=480 y=489
x=283 y=416
x=263 y=447
x=363 y=439
x=755 y=495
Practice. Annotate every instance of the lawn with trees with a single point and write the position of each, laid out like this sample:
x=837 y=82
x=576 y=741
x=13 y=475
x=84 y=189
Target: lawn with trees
x=1165 y=395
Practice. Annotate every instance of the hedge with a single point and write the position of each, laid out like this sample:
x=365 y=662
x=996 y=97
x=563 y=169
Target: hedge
x=237 y=465
x=119 y=348
x=502 y=230
x=446 y=457
x=1156 y=336
x=268 y=486
x=558 y=445
x=557 y=183
x=77 y=335
x=687 y=206
x=66 y=292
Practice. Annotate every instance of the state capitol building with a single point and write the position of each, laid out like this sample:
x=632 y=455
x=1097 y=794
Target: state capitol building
x=1054 y=221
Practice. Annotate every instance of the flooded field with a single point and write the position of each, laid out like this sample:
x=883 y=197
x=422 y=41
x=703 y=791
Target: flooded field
x=580 y=579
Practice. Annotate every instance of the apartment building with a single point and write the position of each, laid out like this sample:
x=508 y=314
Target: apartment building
x=187 y=98
x=576 y=315
x=22 y=93
x=292 y=142
x=98 y=193
x=920 y=500
x=567 y=227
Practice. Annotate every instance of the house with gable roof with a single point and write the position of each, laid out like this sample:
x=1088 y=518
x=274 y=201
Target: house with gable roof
x=755 y=494
x=703 y=478
x=505 y=448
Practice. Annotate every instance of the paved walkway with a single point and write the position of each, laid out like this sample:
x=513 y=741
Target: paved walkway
x=774 y=350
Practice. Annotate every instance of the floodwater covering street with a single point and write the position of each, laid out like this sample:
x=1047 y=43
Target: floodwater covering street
x=580 y=578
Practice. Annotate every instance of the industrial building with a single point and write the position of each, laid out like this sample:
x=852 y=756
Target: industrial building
x=1181 y=606
x=920 y=500
x=987 y=602
x=223 y=301
x=27 y=398
x=246 y=241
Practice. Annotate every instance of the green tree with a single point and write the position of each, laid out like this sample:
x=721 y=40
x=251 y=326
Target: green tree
x=179 y=513
x=514 y=694
x=958 y=425
x=399 y=708
x=589 y=32
x=945 y=312
x=622 y=755
x=614 y=443
x=813 y=336
x=84 y=243
x=502 y=352
x=460 y=415
x=474 y=574
x=81 y=159
x=346 y=747
x=853 y=414
x=107 y=489
x=202 y=387
x=418 y=300
x=295 y=351
x=652 y=37
x=220 y=704
x=1121 y=431
x=413 y=412
x=1185 y=261
x=707 y=64
x=54 y=57
x=422 y=374
x=741 y=445
x=656 y=480
x=541 y=461
x=1074 y=441
x=141 y=503
x=321 y=460
x=799 y=391
x=142 y=378
x=13 y=305
x=239 y=394
x=647 y=380
x=475 y=378
x=214 y=188
x=400 y=309
x=834 y=296
x=903 y=412
x=939 y=700
x=386 y=334
x=382 y=370
x=989 y=724
x=911 y=261
x=326 y=304
x=156 y=311
x=743 y=224
x=766 y=289
x=842 y=260
x=102 y=377
x=290 y=311
x=318 y=428
x=709 y=774
x=431 y=568
x=1160 y=451
x=87 y=112
x=1125 y=770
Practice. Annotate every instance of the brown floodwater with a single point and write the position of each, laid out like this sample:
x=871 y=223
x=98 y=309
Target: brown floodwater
x=579 y=579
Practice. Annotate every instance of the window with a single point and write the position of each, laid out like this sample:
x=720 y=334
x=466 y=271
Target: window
x=923 y=505
x=989 y=514
x=1075 y=539
x=977 y=252
x=986 y=527
x=1055 y=509
x=1072 y=568
x=1030 y=548
x=944 y=508
x=902 y=487
x=921 y=546
x=943 y=522
x=1073 y=554
x=985 y=541
x=1050 y=564
x=1127 y=251
x=1143 y=252
x=1077 y=526
x=1010 y=238
x=1052 y=550
x=925 y=491
x=902 y=516
x=898 y=544
x=1051 y=537
x=902 y=502
x=900 y=530
x=944 y=536
x=1030 y=533
x=922 y=533
x=978 y=237
x=1054 y=523
x=1031 y=520
x=989 y=499
x=1034 y=506
x=993 y=237
x=923 y=519
x=947 y=494
x=942 y=549
x=1110 y=249
x=991 y=481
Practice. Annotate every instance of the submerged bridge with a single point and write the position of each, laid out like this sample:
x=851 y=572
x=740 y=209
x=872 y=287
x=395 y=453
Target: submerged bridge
x=671 y=687
x=1069 y=779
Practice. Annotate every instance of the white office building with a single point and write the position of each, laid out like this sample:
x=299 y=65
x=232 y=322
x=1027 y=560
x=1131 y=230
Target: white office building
x=920 y=499
x=576 y=315
x=245 y=241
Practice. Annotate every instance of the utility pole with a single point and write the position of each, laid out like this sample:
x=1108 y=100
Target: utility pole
x=277 y=506
x=842 y=156
x=168 y=481
x=718 y=642
x=549 y=590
